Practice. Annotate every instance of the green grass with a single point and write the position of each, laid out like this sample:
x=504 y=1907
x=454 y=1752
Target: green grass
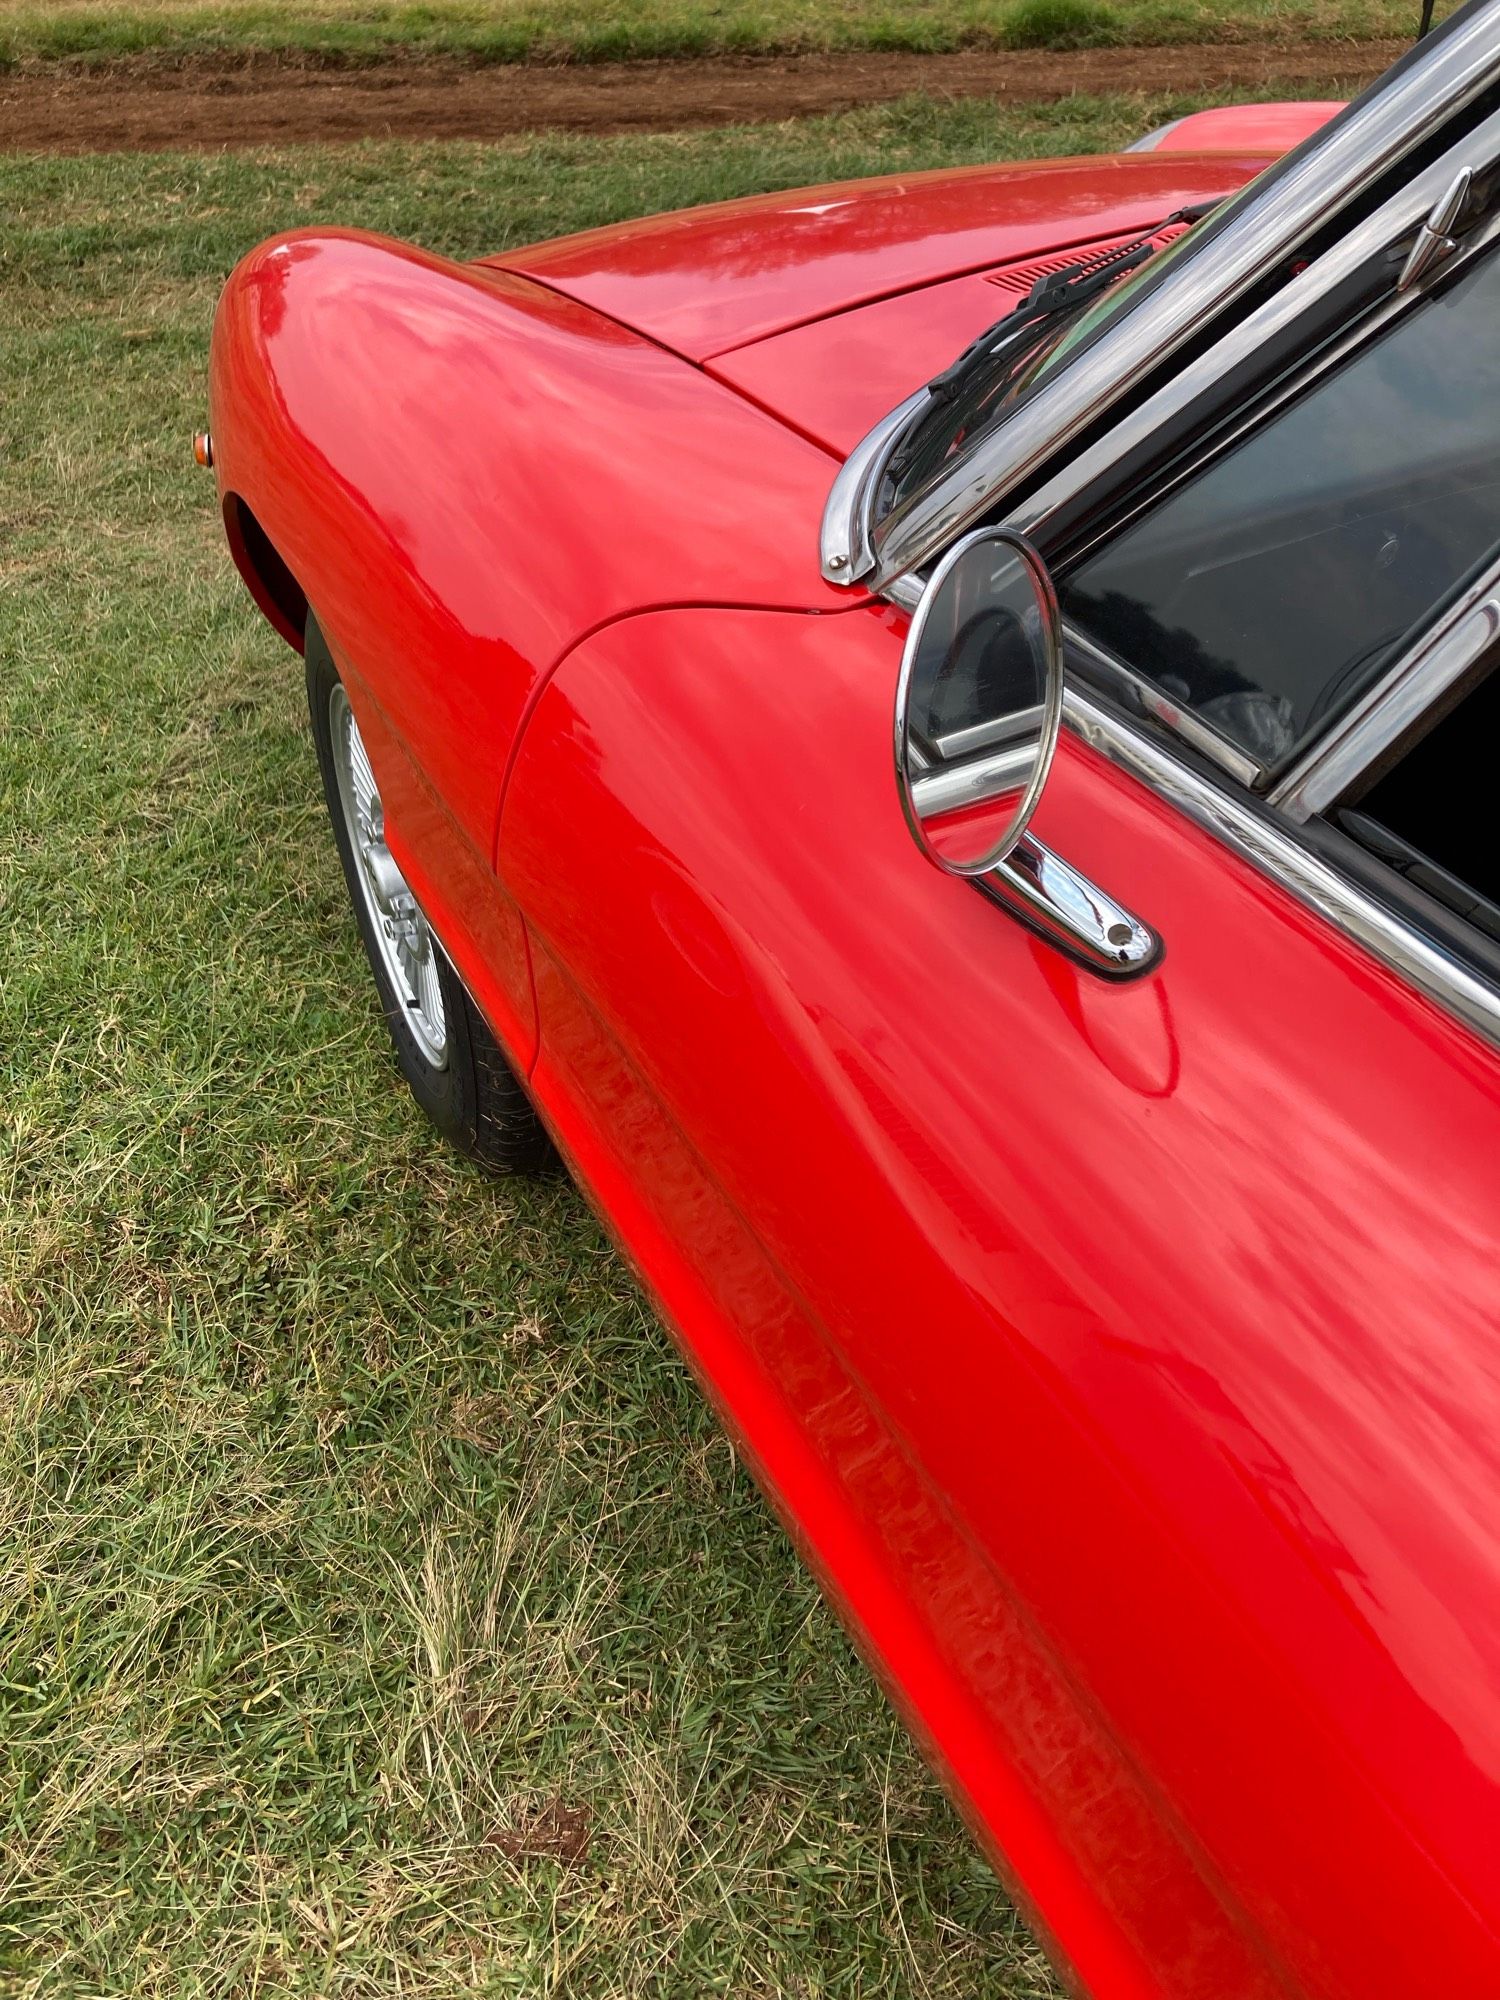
x=364 y=1547
x=583 y=31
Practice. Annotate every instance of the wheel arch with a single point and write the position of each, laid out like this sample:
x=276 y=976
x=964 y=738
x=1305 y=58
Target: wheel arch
x=267 y=575
x=404 y=440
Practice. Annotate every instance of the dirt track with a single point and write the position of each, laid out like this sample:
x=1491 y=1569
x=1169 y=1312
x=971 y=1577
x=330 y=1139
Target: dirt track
x=146 y=106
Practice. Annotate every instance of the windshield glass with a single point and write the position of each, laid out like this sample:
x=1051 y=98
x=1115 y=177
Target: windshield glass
x=1005 y=364
x=1266 y=593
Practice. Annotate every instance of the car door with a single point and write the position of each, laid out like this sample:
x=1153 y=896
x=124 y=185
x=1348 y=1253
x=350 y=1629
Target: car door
x=1120 y=1352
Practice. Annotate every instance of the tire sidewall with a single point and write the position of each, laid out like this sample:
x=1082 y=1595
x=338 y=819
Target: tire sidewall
x=449 y=1095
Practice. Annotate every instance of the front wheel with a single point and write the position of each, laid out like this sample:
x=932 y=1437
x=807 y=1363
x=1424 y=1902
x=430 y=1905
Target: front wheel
x=450 y=1060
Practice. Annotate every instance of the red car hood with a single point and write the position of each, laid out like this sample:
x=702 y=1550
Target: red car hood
x=861 y=275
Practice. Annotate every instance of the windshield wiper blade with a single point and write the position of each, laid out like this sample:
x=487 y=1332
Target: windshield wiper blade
x=1052 y=297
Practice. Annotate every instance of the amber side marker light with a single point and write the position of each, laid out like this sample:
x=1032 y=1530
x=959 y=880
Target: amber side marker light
x=203 y=448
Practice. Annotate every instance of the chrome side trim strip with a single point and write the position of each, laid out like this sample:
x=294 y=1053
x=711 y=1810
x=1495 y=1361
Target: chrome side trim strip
x=1396 y=702
x=1256 y=839
x=1231 y=250
x=845 y=544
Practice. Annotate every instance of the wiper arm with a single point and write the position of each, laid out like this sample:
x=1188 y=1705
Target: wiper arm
x=1058 y=294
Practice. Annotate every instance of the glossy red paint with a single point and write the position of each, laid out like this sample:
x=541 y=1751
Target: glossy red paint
x=1121 y=1357
x=835 y=378
x=1130 y=1322
x=709 y=279
x=1237 y=127
x=409 y=434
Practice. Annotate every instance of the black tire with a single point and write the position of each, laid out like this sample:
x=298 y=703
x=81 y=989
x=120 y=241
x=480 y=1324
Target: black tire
x=472 y=1095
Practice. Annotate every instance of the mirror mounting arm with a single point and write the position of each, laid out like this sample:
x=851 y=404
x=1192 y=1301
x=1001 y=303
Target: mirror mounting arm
x=1062 y=906
x=978 y=709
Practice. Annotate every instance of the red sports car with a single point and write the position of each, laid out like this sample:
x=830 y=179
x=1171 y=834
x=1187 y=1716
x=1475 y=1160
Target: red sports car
x=932 y=737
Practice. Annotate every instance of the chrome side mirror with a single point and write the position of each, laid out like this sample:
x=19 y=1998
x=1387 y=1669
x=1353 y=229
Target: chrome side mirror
x=979 y=701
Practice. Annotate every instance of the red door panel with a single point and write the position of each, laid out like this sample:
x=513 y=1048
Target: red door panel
x=974 y=1679
x=1172 y=1304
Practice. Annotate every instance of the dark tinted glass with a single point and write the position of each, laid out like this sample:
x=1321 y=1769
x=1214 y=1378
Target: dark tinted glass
x=1266 y=593
x=958 y=422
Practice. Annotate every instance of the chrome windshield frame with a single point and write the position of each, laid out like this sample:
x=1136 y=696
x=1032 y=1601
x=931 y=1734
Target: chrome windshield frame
x=1032 y=484
x=1381 y=231
x=846 y=550
x=1262 y=226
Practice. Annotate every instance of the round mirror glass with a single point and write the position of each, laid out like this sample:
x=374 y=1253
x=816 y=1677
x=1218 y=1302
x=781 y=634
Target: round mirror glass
x=979 y=701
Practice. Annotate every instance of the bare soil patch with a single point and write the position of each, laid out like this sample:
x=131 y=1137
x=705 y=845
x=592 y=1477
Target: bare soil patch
x=198 y=105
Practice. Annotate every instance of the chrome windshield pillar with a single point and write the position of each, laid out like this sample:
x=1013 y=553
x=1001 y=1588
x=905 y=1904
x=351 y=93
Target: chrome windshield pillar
x=1259 y=230
x=845 y=546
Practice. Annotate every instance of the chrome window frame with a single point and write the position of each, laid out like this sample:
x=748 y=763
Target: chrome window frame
x=1133 y=688
x=1268 y=833
x=1255 y=832
x=1389 y=711
x=1383 y=231
x=1260 y=227
x=1138 y=690
x=847 y=553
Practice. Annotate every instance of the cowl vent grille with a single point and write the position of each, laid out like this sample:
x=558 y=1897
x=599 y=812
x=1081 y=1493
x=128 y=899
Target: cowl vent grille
x=1019 y=278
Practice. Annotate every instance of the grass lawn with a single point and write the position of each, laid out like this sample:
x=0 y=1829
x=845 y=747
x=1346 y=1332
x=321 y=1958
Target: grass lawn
x=583 y=30
x=381 y=1611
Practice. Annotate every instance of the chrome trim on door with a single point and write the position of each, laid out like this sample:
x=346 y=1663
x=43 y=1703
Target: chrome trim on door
x=1251 y=833
x=1220 y=259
